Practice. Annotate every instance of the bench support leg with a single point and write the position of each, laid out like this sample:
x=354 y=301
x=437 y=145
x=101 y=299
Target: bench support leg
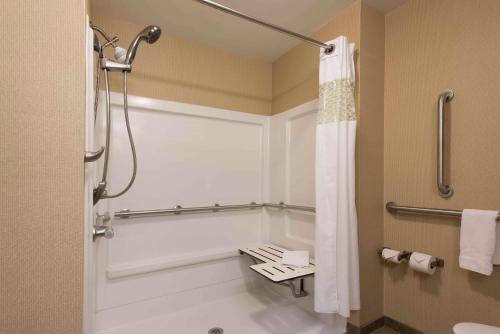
x=297 y=290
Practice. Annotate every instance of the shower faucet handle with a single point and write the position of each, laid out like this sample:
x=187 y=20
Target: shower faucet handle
x=102 y=227
x=103 y=231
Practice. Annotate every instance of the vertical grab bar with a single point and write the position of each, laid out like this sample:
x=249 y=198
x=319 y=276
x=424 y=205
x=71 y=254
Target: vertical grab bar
x=445 y=190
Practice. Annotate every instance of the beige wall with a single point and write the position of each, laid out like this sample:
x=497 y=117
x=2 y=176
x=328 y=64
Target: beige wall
x=429 y=46
x=295 y=81
x=433 y=45
x=295 y=74
x=370 y=163
x=181 y=70
x=42 y=103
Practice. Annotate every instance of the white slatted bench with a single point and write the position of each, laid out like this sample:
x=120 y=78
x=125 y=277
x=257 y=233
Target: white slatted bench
x=270 y=266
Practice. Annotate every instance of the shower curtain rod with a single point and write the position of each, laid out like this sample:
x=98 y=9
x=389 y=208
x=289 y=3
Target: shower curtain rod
x=329 y=48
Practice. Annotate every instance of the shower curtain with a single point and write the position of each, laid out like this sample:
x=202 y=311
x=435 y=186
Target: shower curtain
x=337 y=263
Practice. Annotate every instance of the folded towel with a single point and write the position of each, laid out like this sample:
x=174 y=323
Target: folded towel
x=478 y=240
x=496 y=255
x=295 y=258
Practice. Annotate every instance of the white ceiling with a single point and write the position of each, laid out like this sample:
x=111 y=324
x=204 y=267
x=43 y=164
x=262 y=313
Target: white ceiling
x=189 y=19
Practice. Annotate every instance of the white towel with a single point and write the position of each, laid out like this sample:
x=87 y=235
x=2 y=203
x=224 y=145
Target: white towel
x=295 y=258
x=478 y=238
x=496 y=255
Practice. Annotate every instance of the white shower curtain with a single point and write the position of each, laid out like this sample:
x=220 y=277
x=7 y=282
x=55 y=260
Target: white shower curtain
x=337 y=263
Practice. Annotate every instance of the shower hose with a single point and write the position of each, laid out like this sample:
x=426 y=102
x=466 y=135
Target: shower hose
x=108 y=135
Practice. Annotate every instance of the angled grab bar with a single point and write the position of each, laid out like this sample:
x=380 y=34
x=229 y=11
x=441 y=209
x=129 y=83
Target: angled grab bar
x=445 y=190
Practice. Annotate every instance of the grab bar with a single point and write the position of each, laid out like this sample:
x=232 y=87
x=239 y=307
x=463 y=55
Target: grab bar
x=124 y=214
x=394 y=208
x=282 y=205
x=445 y=190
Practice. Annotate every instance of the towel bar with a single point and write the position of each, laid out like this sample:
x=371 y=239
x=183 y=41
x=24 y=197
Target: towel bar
x=394 y=208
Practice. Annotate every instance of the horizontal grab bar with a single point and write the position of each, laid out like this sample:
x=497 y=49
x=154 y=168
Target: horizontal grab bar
x=282 y=205
x=394 y=208
x=124 y=214
x=178 y=210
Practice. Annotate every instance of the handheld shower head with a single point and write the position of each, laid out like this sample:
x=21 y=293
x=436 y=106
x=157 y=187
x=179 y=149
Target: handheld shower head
x=149 y=34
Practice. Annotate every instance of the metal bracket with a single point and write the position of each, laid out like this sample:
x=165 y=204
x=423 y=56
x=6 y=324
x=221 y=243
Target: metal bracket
x=102 y=228
x=330 y=49
x=102 y=220
x=99 y=192
x=297 y=291
x=216 y=205
x=110 y=65
x=91 y=156
x=404 y=255
x=438 y=263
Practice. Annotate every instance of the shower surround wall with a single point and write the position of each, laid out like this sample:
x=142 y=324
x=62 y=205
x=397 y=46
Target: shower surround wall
x=192 y=73
x=432 y=46
x=159 y=265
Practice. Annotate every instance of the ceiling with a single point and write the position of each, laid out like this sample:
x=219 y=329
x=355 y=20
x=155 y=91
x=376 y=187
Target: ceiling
x=192 y=20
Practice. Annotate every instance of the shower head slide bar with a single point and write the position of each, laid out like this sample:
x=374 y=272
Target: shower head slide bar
x=394 y=208
x=124 y=214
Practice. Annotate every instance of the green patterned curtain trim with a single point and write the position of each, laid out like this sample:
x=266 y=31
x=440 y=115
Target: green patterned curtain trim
x=336 y=102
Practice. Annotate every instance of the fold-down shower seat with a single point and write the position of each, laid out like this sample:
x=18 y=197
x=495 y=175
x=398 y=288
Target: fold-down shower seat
x=267 y=259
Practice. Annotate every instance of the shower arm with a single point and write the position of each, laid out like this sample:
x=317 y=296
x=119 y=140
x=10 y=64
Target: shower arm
x=104 y=34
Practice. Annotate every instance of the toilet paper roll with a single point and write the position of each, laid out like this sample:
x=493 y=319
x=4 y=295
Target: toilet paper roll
x=422 y=262
x=391 y=255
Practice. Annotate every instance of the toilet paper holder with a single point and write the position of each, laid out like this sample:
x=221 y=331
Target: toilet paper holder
x=438 y=263
x=405 y=255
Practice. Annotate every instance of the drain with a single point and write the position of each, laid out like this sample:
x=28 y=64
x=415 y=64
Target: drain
x=215 y=330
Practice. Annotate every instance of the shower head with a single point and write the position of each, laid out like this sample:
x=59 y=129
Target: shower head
x=149 y=34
